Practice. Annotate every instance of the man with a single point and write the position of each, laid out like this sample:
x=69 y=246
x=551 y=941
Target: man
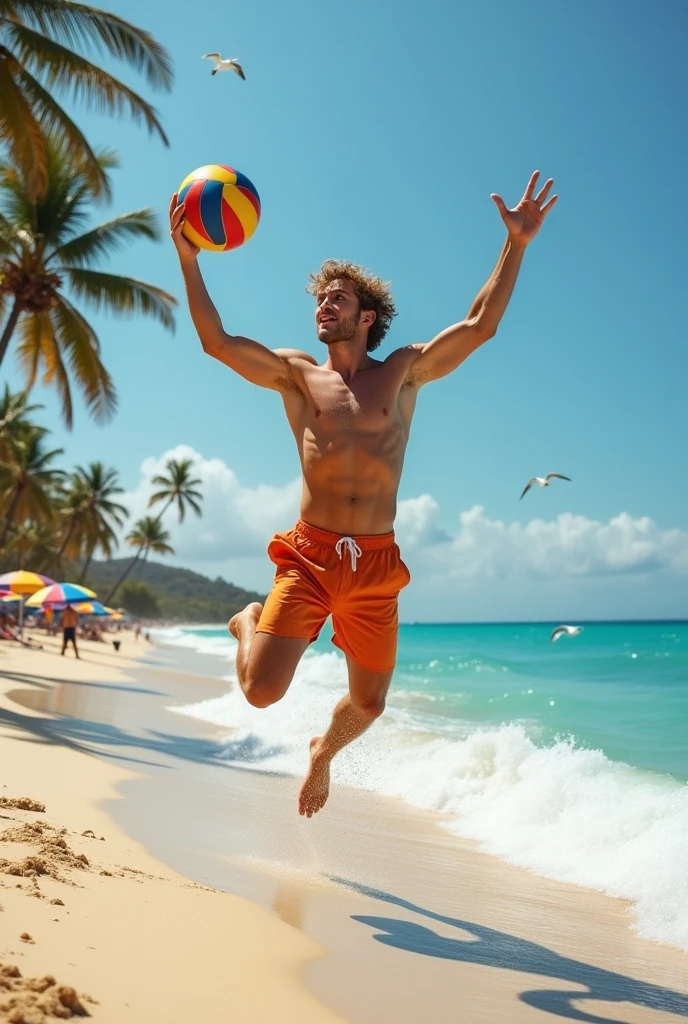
x=351 y=418
x=69 y=622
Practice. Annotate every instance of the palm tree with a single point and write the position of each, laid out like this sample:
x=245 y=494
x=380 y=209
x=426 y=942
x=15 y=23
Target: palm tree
x=14 y=413
x=43 y=247
x=147 y=535
x=101 y=514
x=27 y=480
x=177 y=487
x=36 y=58
x=33 y=543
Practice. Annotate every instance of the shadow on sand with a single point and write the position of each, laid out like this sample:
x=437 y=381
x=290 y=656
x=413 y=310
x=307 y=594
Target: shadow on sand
x=493 y=948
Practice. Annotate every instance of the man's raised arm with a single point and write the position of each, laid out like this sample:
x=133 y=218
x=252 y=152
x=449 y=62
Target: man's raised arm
x=250 y=359
x=448 y=350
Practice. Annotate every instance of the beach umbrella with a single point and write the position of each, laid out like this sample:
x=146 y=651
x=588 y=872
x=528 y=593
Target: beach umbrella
x=21 y=581
x=9 y=598
x=60 y=593
x=91 y=608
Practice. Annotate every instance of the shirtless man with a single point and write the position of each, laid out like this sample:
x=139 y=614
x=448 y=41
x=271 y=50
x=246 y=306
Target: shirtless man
x=69 y=622
x=351 y=418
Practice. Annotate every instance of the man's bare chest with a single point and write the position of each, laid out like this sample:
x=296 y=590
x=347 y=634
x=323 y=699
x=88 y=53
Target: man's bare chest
x=365 y=405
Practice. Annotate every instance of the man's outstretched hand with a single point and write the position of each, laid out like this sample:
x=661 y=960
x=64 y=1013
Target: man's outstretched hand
x=525 y=220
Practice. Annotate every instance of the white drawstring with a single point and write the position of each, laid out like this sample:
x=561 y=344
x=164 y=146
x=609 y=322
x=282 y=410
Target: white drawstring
x=351 y=546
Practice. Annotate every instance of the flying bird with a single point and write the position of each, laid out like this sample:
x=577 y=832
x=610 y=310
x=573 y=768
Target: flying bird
x=568 y=630
x=224 y=65
x=543 y=481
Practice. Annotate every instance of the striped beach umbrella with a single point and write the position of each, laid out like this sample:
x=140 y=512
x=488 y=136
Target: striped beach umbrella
x=91 y=608
x=21 y=581
x=60 y=593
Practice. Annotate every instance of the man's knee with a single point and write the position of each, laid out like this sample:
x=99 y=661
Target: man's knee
x=262 y=693
x=370 y=707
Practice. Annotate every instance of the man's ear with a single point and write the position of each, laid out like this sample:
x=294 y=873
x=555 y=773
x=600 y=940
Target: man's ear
x=368 y=317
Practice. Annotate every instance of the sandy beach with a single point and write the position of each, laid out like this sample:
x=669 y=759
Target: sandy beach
x=209 y=898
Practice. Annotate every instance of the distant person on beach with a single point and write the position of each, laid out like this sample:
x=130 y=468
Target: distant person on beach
x=69 y=623
x=351 y=417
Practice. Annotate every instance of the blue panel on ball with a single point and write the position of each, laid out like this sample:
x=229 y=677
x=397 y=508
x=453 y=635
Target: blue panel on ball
x=243 y=181
x=211 y=211
x=182 y=194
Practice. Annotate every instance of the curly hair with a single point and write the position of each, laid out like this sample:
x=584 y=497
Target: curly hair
x=372 y=293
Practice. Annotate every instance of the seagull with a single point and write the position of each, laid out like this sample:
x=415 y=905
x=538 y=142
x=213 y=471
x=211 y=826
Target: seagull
x=569 y=630
x=224 y=65
x=543 y=481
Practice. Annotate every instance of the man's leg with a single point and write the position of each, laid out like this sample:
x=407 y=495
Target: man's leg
x=353 y=714
x=76 y=651
x=265 y=663
x=64 y=643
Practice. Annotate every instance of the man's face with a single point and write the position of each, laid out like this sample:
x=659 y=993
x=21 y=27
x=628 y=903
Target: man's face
x=337 y=312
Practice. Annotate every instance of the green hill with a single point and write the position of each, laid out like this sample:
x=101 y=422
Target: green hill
x=181 y=594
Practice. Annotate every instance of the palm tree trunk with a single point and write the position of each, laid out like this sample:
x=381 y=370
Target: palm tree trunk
x=163 y=511
x=87 y=565
x=58 y=557
x=8 y=329
x=10 y=515
x=122 y=578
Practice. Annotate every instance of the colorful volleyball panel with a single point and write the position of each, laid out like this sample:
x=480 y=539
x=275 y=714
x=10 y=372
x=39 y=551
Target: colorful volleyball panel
x=222 y=207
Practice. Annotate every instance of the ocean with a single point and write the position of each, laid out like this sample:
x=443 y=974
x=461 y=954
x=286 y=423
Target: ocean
x=569 y=759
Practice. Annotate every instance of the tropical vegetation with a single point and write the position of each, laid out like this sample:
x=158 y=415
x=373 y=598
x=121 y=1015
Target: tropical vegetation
x=57 y=522
x=48 y=265
x=42 y=44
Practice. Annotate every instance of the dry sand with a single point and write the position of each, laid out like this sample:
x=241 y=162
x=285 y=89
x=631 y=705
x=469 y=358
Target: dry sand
x=425 y=927
x=90 y=921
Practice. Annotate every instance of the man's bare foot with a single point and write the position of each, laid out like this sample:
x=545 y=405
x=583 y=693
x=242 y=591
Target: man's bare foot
x=251 y=611
x=316 y=785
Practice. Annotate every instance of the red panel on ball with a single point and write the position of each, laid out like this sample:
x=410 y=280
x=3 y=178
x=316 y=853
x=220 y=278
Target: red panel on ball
x=192 y=208
x=234 y=229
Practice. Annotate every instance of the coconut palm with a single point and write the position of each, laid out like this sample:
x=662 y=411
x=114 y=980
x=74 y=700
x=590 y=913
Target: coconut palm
x=32 y=544
x=89 y=513
x=44 y=249
x=177 y=486
x=147 y=535
x=37 y=59
x=101 y=514
x=28 y=480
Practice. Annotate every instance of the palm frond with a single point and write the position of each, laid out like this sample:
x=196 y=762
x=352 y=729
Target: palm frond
x=77 y=23
x=95 y=245
x=62 y=68
x=124 y=296
x=20 y=129
x=54 y=119
x=78 y=340
x=39 y=349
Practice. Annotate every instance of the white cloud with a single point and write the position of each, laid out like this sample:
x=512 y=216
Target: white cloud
x=237 y=521
x=570 y=545
x=483 y=568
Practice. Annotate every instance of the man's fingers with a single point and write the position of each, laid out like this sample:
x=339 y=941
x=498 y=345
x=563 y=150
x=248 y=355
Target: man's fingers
x=173 y=204
x=545 y=209
x=177 y=217
x=530 y=187
x=501 y=205
x=542 y=194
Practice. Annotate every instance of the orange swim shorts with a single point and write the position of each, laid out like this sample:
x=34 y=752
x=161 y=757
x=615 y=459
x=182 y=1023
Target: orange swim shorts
x=356 y=580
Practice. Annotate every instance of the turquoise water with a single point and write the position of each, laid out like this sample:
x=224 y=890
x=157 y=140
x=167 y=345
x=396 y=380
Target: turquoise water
x=569 y=759
x=619 y=687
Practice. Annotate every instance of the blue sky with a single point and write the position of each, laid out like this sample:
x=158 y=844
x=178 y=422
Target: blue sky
x=376 y=132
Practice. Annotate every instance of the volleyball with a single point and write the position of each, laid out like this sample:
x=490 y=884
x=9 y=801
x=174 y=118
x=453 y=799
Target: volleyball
x=222 y=207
